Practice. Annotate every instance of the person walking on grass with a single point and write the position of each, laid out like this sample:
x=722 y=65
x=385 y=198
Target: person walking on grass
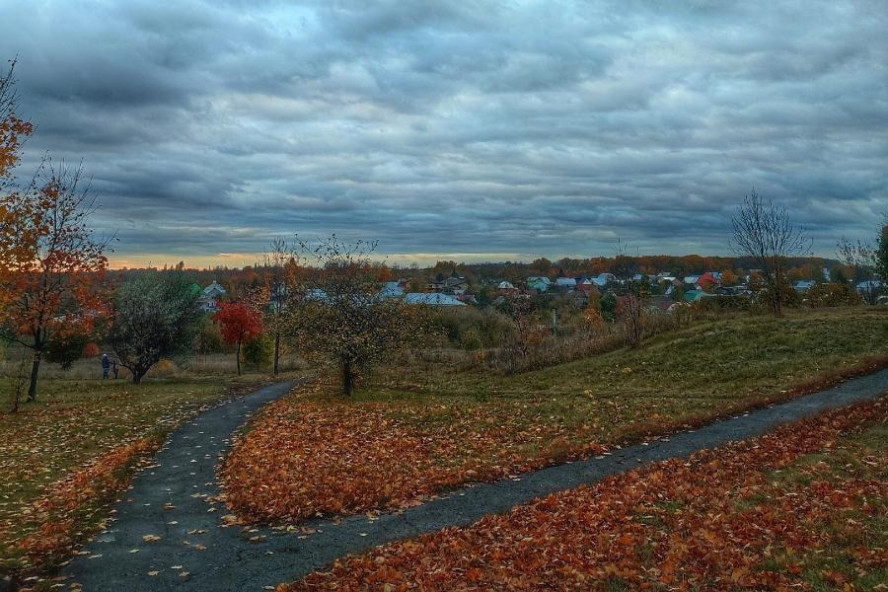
x=114 y=369
x=106 y=365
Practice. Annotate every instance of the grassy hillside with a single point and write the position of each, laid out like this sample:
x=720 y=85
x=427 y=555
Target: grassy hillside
x=424 y=427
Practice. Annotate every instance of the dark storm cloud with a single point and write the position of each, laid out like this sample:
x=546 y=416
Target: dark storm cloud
x=494 y=127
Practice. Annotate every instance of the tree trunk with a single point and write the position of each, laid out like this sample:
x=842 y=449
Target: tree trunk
x=35 y=368
x=19 y=386
x=277 y=352
x=348 y=379
x=778 y=305
x=778 y=294
x=138 y=373
x=238 y=358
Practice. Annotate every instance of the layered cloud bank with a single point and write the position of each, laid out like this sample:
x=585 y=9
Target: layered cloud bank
x=477 y=128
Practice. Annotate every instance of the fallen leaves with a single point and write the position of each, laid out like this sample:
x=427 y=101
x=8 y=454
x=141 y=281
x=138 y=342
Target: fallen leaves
x=63 y=459
x=308 y=456
x=57 y=511
x=787 y=510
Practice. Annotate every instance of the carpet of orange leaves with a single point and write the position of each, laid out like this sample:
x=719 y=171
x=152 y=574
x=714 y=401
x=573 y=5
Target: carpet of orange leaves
x=760 y=514
x=313 y=456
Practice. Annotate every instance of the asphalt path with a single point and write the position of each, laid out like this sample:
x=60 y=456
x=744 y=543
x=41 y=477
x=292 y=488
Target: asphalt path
x=168 y=535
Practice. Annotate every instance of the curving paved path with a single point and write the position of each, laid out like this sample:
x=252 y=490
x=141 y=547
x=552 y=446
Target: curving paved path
x=195 y=553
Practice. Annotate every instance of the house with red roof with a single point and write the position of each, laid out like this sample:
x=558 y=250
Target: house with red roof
x=708 y=281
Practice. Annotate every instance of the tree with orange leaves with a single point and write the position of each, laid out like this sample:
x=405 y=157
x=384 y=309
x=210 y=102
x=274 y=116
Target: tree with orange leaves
x=50 y=260
x=13 y=131
x=240 y=323
x=51 y=283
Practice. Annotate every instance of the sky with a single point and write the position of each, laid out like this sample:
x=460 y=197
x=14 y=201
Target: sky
x=456 y=129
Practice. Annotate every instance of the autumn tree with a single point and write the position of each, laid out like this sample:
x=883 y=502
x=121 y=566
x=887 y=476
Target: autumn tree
x=729 y=278
x=13 y=132
x=541 y=266
x=50 y=259
x=52 y=283
x=443 y=269
x=764 y=232
x=154 y=317
x=338 y=314
x=240 y=323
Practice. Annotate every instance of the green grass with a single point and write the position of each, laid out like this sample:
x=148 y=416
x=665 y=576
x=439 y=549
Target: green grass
x=705 y=370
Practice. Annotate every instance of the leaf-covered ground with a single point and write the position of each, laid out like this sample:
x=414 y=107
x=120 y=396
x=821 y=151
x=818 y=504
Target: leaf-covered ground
x=424 y=428
x=307 y=458
x=802 y=508
x=63 y=458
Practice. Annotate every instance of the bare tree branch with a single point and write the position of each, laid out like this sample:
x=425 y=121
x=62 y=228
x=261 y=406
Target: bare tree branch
x=764 y=232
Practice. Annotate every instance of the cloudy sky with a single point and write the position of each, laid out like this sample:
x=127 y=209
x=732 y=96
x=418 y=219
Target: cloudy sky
x=472 y=130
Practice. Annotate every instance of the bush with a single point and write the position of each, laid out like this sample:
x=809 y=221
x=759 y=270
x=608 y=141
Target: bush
x=720 y=303
x=91 y=350
x=165 y=368
x=209 y=338
x=608 y=304
x=471 y=341
x=258 y=353
x=66 y=349
x=827 y=295
x=764 y=297
x=470 y=328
